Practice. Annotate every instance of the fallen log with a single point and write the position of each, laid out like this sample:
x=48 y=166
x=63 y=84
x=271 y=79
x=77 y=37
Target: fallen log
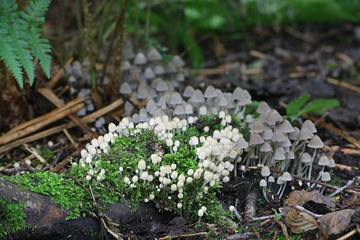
x=46 y=220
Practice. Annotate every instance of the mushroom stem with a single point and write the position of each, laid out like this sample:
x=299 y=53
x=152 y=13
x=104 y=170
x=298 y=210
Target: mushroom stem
x=282 y=192
x=264 y=193
x=311 y=164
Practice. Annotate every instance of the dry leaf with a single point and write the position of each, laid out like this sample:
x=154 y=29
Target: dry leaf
x=300 y=197
x=335 y=223
x=300 y=221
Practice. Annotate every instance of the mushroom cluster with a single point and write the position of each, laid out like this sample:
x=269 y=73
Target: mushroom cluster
x=267 y=141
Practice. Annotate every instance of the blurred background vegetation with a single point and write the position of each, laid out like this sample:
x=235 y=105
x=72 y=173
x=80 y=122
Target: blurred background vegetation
x=182 y=24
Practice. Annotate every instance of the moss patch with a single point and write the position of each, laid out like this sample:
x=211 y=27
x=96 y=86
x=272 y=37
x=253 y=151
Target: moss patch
x=12 y=217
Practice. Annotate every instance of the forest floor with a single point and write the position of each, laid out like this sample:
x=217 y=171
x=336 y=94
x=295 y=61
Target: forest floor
x=276 y=67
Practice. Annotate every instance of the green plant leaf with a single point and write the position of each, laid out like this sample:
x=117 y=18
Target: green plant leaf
x=294 y=106
x=317 y=106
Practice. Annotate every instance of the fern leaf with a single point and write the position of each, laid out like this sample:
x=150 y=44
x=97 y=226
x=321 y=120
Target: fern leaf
x=7 y=54
x=21 y=47
x=39 y=48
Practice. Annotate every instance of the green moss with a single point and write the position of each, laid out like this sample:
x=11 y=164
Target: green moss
x=12 y=217
x=61 y=190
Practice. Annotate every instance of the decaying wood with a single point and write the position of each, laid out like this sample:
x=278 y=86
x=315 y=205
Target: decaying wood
x=46 y=220
x=42 y=121
x=88 y=119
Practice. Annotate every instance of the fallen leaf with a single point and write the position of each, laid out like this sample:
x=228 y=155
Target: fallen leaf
x=301 y=197
x=300 y=222
x=335 y=223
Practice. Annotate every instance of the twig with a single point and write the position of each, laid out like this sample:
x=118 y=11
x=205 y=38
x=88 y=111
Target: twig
x=59 y=74
x=34 y=152
x=184 y=236
x=44 y=120
x=50 y=95
x=7 y=231
x=349 y=234
x=262 y=218
x=90 y=118
x=341 y=188
x=343 y=84
x=102 y=216
x=302 y=209
x=67 y=134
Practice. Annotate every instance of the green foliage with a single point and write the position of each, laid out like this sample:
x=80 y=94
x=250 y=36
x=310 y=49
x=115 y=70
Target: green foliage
x=301 y=106
x=20 y=39
x=12 y=217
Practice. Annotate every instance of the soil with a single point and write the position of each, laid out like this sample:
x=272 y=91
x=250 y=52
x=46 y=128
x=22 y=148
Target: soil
x=288 y=67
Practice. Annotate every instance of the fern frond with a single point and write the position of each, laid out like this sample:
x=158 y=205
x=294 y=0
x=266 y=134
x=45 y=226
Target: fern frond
x=20 y=38
x=21 y=47
x=7 y=54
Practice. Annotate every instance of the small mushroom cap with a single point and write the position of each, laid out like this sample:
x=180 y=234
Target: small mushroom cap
x=265 y=171
x=267 y=134
x=159 y=70
x=178 y=62
x=256 y=139
x=305 y=157
x=279 y=154
x=310 y=125
x=179 y=110
x=175 y=98
x=324 y=161
x=189 y=91
x=278 y=136
x=188 y=109
x=332 y=163
x=271 y=179
x=294 y=135
x=125 y=88
x=262 y=183
x=263 y=107
x=170 y=68
x=266 y=147
x=237 y=93
x=290 y=155
x=304 y=134
x=257 y=127
x=286 y=127
x=198 y=97
x=273 y=117
x=241 y=143
x=180 y=77
x=125 y=65
x=140 y=59
x=210 y=92
x=149 y=73
x=325 y=177
x=112 y=127
x=286 y=176
x=315 y=142
x=154 y=55
x=222 y=101
x=280 y=181
x=162 y=86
